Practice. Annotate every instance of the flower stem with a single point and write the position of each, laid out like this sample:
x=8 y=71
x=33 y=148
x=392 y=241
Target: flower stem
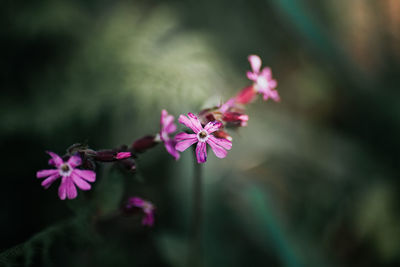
x=196 y=250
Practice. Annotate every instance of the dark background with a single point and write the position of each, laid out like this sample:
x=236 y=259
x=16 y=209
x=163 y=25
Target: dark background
x=312 y=181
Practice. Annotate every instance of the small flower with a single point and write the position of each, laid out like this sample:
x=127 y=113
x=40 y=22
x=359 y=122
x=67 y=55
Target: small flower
x=263 y=82
x=168 y=127
x=70 y=176
x=147 y=207
x=123 y=155
x=201 y=136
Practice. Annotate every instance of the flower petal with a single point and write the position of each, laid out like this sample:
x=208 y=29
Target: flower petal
x=71 y=189
x=191 y=122
x=74 y=161
x=255 y=62
x=123 y=155
x=57 y=160
x=219 y=151
x=213 y=126
x=201 y=152
x=267 y=73
x=136 y=201
x=148 y=219
x=251 y=76
x=79 y=182
x=222 y=142
x=45 y=173
x=88 y=175
x=170 y=147
x=227 y=105
x=184 y=141
x=48 y=181
x=62 y=189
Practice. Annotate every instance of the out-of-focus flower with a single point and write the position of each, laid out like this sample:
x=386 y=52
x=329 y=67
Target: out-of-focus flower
x=263 y=82
x=70 y=176
x=201 y=136
x=147 y=207
x=168 y=127
x=123 y=155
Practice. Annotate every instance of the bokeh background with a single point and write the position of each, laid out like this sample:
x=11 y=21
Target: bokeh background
x=312 y=181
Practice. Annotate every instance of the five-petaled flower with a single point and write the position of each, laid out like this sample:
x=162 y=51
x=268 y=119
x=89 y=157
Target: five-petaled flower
x=201 y=136
x=70 y=176
x=168 y=127
x=147 y=207
x=263 y=82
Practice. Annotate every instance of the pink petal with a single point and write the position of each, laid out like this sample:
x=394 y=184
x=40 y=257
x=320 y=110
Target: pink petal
x=191 y=122
x=184 y=136
x=251 y=76
x=71 y=189
x=201 y=152
x=88 y=175
x=227 y=105
x=79 y=182
x=218 y=151
x=255 y=62
x=275 y=96
x=170 y=147
x=183 y=144
x=195 y=122
x=266 y=72
x=148 y=220
x=123 y=155
x=74 y=161
x=62 y=190
x=57 y=160
x=221 y=142
x=272 y=83
x=45 y=173
x=213 y=126
x=136 y=201
x=48 y=181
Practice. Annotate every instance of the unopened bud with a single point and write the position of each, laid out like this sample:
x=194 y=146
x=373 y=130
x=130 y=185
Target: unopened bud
x=144 y=143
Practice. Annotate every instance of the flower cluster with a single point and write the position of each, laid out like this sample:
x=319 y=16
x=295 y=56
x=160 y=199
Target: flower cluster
x=76 y=168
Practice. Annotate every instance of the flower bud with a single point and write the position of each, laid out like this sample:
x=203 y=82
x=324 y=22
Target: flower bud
x=144 y=143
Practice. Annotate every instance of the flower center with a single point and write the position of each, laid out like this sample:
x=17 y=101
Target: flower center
x=65 y=169
x=202 y=136
x=262 y=82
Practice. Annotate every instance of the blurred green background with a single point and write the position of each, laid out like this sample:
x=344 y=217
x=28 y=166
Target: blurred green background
x=312 y=181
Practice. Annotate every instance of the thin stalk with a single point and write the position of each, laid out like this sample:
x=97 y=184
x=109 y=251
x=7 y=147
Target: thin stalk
x=196 y=248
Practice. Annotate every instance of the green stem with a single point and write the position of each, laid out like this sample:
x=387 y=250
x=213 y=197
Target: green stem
x=196 y=250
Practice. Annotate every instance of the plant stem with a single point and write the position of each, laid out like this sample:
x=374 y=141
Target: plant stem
x=196 y=250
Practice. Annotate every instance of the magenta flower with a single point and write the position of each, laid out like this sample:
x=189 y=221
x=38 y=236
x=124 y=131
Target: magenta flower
x=123 y=155
x=147 y=207
x=168 y=127
x=70 y=176
x=201 y=136
x=263 y=82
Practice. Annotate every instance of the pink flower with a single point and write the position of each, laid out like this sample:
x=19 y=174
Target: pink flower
x=147 y=207
x=201 y=136
x=168 y=127
x=70 y=176
x=123 y=155
x=263 y=82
